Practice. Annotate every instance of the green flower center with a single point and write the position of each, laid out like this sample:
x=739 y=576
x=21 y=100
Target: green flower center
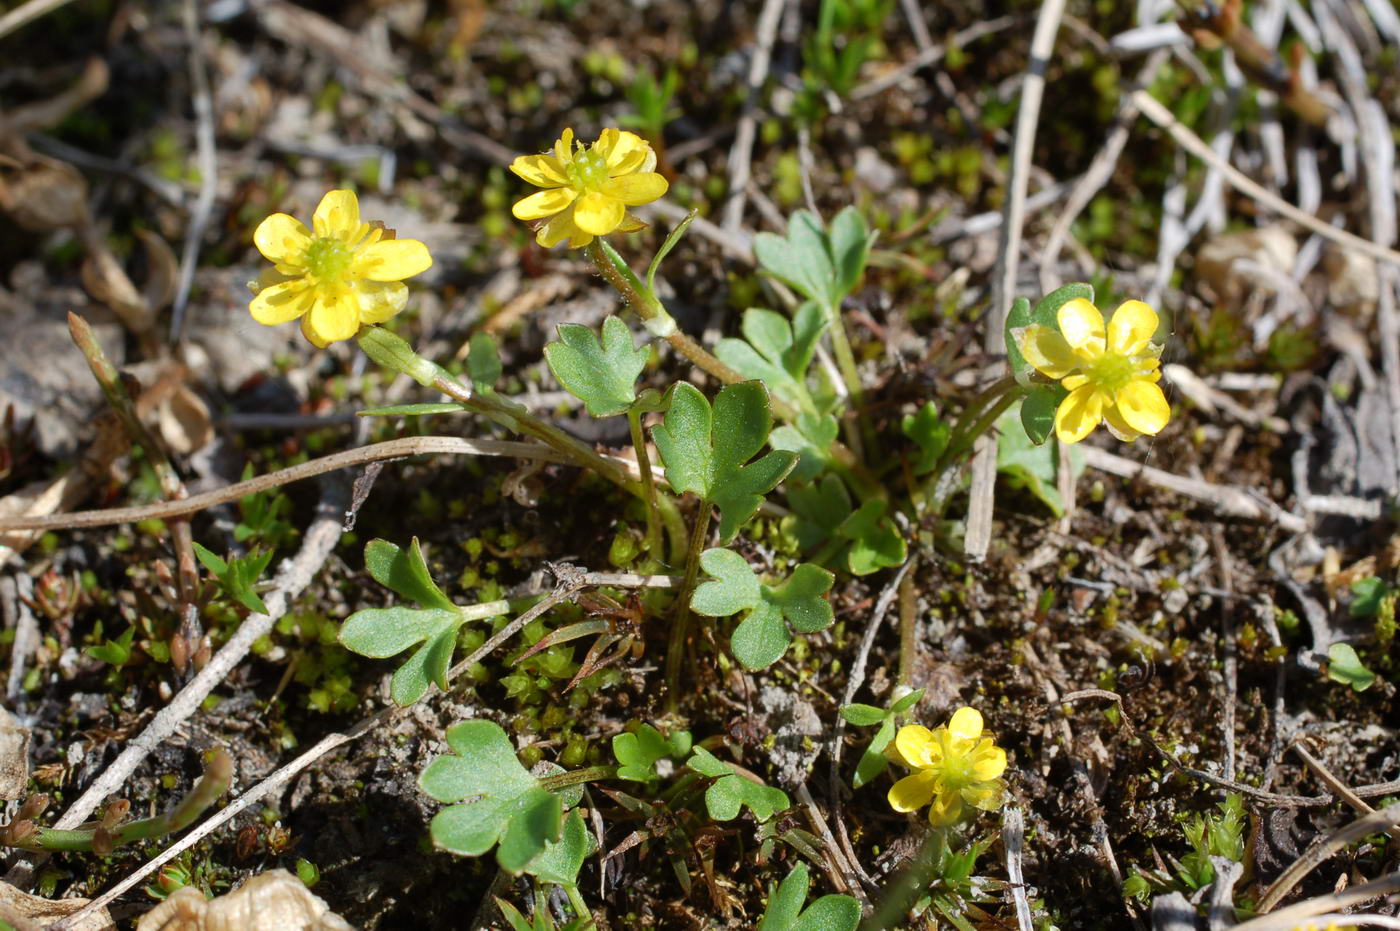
x=1112 y=372
x=588 y=171
x=328 y=258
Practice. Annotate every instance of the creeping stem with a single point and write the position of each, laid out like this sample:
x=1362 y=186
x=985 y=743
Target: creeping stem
x=100 y=838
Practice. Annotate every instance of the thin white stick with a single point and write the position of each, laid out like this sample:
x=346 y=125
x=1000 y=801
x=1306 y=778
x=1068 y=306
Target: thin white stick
x=984 y=462
x=741 y=152
x=27 y=14
x=1227 y=499
x=1192 y=143
x=1012 y=836
x=203 y=103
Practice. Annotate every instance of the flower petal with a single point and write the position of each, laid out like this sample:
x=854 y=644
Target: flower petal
x=631 y=224
x=564 y=147
x=915 y=745
x=987 y=797
x=1118 y=426
x=1079 y=414
x=338 y=215
x=543 y=203
x=1046 y=350
x=282 y=238
x=946 y=809
x=1131 y=328
x=332 y=318
x=1070 y=382
x=911 y=793
x=391 y=260
x=1143 y=406
x=624 y=152
x=380 y=300
x=636 y=189
x=598 y=214
x=540 y=170
x=560 y=227
x=1081 y=324
x=279 y=303
x=988 y=763
x=966 y=723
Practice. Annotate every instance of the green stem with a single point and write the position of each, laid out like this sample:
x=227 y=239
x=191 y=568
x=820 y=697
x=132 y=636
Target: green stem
x=979 y=415
x=580 y=906
x=654 y=316
x=564 y=780
x=846 y=363
x=639 y=446
x=680 y=632
x=211 y=786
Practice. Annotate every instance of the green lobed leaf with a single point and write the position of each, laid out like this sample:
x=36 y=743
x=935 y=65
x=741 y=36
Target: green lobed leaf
x=705 y=450
x=761 y=639
x=405 y=573
x=683 y=441
x=1369 y=592
x=828 y=913
x=849 y=240
x=930 y=433
x=638 y=753
x=1038 y=411
x=875 y=541
x=1344 y=666
x=811 y=436
x=499 y=801
x=560 y=861
x=763 y=636
x=602 y=374
x=802 y=258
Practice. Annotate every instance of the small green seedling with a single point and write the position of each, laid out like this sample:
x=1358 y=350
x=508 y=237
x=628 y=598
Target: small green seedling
x=638 y=752
x=114 y=652
x=385 y=632
x=863 y=539
x=730 y=792
x=785 y=911
x=873 y=761
x=774 y=611
x=1344 y=666
x=238 y=575
x=497 y=801
x=705 y=450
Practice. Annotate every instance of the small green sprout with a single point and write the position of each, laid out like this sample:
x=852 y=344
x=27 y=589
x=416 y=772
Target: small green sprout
x=730 y=791
x=873 y=761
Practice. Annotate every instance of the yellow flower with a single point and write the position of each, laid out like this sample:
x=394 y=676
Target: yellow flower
x=1110 y=376
x=955 y=765
x=336 y=276
x=587 y=189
